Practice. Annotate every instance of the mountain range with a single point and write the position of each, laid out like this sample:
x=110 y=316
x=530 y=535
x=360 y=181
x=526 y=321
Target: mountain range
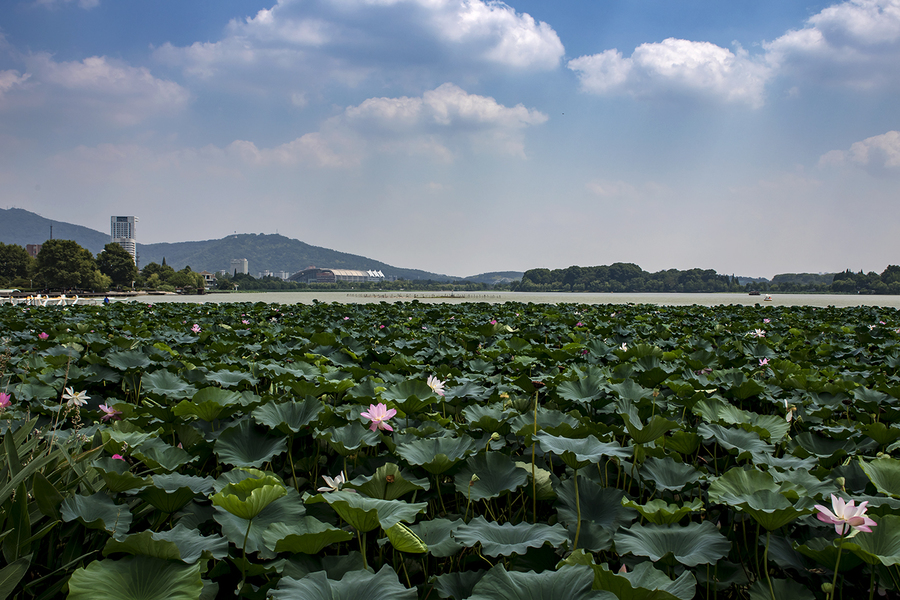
x=264 y=252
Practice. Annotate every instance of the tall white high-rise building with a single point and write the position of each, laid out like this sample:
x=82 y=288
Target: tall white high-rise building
x=240 y=265
x=122 y=233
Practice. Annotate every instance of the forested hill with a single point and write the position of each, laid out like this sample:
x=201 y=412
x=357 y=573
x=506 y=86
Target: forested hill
x=263 y=252
x=628 y=277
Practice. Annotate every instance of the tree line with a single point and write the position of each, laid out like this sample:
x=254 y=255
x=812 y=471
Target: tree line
x=65 y=265
x=630 y=278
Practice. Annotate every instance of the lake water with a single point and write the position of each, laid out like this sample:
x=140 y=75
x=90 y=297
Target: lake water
x=365 y=297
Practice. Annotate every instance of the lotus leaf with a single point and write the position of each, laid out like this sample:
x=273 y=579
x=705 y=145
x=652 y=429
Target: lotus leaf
x=457 y=585
x=884 y=473
x=209 y=404
x=661 y=512
x=308 y=536
x=289 y=417
x=645 y=583
x=229 y=379
x=437 y=455
x=349 y=438
x=667 y=474
x=355 y=585
x=389 y=483
x=882 y=545
x=572 y=583
x=543 y=488
x=744 y=442
x=179 y=543
x=825 y=552
x=334 y=567
x=98 y=512
x=136 y=578
x=403 y=538
x=496 y=474
x=242 y=445
x=579 y=453
x=166 y=385
x=287 y=509
x=509 y=539
x=159 y=456
x=249 y=497
x=437 y=534
x=691 y=545
x=127 y=359
x=783 y=588
x=365 y=514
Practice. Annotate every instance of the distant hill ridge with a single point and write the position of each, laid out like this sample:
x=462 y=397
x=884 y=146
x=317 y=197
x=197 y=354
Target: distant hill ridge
x=264 y=252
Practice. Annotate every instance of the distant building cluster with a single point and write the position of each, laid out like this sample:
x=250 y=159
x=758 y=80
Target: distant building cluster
x=316 y=275
x=240 y=265
x=122 y=232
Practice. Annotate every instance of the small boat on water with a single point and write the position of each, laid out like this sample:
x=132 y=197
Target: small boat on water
x=754 y=292
x=768 y=298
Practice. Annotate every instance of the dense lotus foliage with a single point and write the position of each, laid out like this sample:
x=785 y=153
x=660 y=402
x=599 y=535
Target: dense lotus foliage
x=449 y=451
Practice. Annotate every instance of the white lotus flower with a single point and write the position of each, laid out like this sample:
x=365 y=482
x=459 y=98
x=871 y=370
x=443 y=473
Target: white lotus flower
x=334 y=485
x=75 y=398
x=436 y=385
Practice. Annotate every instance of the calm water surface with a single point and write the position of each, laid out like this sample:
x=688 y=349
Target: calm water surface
x=307 y=297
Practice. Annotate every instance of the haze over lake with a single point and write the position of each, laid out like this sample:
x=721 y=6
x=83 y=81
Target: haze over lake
x=365 y=297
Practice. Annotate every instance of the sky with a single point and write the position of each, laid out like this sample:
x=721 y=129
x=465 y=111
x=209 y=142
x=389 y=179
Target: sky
x=753 y=137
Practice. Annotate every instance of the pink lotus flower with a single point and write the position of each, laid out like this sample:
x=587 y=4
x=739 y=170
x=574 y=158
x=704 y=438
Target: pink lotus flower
x=118 y=457
x=43 y=335
x=436 y=385
x=845 y=515
x=763 y=362
x=5 y=400
x=378 y=414
x=245 y=321
x=110 y=413
x=195 y=328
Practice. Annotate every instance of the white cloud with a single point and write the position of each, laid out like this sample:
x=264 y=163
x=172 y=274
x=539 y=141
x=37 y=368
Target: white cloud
x=854 y=43
x=95 y=89
x=878 y=154
x=320 y=40
x=675 y=66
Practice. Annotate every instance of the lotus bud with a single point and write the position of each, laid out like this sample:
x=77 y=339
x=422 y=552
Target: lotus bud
x=473 y=479
x=623 y=569
x=880 y=455
x=827 y=588
x=841 y=482
x=495 y=437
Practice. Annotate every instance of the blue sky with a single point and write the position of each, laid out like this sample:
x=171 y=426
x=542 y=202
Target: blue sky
x=463 y=136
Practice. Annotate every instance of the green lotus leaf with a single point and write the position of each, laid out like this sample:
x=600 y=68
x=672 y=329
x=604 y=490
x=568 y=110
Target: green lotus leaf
x=736 y=486
x=209 y=404
x=242 y=445
x=579 y=453
x=308 y=536
x=691 y=545
x=582 y=391
x=803 y=478
x=117 y=477
x=660 y=512
x=642 y=433
x=437 y=455
x=783 y=588
x=496 y=474
x=403 y=538
x=388 y=483
x=825 y=551
x=599 y=504
x=160 y=456
x=289 y=417
x=170 y=493
x=490 y=418
x=411 y=395
x=551 y=421
x=115 y=440
x=544 y=486
x=334 y=567
x=572 y=583
x=97 y=512
x=365 y=514
x=667 y=474
x=355 y=585
x=288 y=509
x=771 y=509
x=508 y=539
x=884 y=473
x=166 y=385
x=249 y=497
x=127 y=359
x=645 y=583
x=882 y=546
x=179 y=543
x=740 y=385
x=437 y=534
x=229 y=379
x=828 y=450
x=458 y=584
x=631 y=391
x=136 y=578
x=744 y=442
x=349 y=438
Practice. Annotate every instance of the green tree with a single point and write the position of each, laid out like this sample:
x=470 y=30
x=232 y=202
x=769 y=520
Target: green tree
x=117 y=264
x=14 y=262
x=63 y=264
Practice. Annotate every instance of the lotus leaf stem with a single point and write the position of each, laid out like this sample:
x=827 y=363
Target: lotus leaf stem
x=578 y=511
x=766 y=564
x=837 y=564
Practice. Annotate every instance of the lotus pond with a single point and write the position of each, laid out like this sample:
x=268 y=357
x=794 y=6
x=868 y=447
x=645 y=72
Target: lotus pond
x=402 y=451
